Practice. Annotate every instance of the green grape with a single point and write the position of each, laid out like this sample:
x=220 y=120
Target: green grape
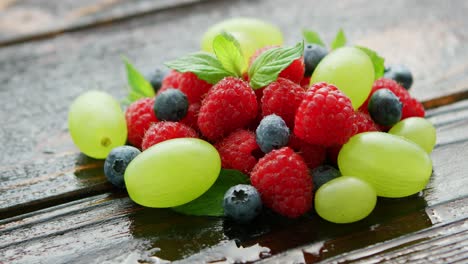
x=251 y=33
x=349 y=69
x=172 y=173
x=418 y=130
x=97 y=124
x=345 y=199
x=393 y=165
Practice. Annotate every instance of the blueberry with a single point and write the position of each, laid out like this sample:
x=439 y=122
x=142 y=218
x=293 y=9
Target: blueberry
x=401 y=74
x=171 y=105
x=242 y=203
x=384 y=107
x=323 y=174
x=156 y=77
x=272 y=133
x=313 y=54
x=116 y=163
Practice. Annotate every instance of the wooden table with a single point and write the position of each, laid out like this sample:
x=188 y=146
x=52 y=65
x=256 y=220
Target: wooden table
x=56 y=206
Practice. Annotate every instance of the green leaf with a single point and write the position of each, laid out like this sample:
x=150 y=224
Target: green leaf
x=229 y=53
x=203 y=64
x=211 y=202
x=339 y=41
x=312 y=37
x=139 y=86
x=377 y=61
x=266 y=68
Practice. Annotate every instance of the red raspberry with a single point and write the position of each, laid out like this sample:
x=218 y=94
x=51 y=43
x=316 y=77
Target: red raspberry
x=411 y=106
x=193 y=87
x=325 y=117
x=231 y=104
x=282 y=98
x=192 y=115
x=364 y=123
x=294 y=72
x=255 y=122
x=284 y=183
x=139 y=116
x=313 y=155
x=163 y=131
x=237 y=151
x=259 y=94
x=305 y=83
x=171 y=80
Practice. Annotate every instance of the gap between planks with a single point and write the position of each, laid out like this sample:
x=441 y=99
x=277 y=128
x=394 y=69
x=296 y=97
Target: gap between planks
x=155 y=7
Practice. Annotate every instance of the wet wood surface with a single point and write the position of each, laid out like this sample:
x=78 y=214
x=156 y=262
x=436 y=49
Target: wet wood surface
x=28 y=20
x=56 y=206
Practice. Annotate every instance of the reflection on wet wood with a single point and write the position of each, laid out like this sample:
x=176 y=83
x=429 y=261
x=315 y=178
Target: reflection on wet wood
x=442 y=227
x=114 y=216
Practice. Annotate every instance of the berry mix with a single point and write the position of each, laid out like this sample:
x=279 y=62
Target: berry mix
x=258 y=124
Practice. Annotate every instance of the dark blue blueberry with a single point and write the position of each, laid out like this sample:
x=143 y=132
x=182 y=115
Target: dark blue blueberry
x=401 y=74
x=116 y=163
x=242 y=203
x=272 y=133
x=313 y=54
x=156 y=77
x=171 y=105
x=323 y=174
x=384 y=107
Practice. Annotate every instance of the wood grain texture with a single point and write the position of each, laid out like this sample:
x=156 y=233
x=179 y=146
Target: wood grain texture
x=444 y=242
x=56 y=70
x=44 y=182
x=112 y=223
x=45 y=76
x=42 y=174
x=28 y=20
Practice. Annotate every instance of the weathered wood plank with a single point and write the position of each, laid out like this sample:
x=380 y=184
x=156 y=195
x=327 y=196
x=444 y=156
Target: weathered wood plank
x=444 y=242
x=35 y=185
x=29 y=20
x=45 y=76
x=104 y=223
x=82 y=231
x=146 y=229
x=40 y=79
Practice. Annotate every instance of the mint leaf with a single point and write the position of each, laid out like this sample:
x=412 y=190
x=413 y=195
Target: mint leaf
x=312 y=37
x=211 y=202
x=266 y=68
x=377 y=61
x=229 y=53
x=203 y=64
x=139 y=86
x=339 y=41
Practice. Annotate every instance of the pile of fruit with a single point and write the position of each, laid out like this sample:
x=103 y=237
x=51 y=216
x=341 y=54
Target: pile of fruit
x=249 y=123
